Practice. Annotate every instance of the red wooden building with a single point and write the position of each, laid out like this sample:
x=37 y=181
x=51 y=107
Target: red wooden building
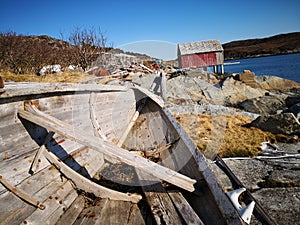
x=201 y=54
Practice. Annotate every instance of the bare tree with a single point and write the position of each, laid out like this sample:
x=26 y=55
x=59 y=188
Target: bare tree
x=89 y=43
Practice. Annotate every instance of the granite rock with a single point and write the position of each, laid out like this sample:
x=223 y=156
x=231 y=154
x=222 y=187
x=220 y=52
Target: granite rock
x=285 y=123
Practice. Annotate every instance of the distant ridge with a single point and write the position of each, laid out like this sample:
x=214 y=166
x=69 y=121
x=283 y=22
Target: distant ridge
x=275 y=45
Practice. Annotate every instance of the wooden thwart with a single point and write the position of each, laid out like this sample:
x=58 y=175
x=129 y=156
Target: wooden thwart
x=109 y=149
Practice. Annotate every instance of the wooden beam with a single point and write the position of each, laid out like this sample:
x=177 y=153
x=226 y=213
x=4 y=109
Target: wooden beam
x=69 y=131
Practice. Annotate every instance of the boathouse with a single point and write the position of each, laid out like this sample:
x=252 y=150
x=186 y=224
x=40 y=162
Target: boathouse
x=202 y=54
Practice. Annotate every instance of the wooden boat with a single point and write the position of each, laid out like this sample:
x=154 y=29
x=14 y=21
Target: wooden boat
x=95 y=154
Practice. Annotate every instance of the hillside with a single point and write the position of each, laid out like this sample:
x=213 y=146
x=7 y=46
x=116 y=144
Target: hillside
x=275 y=45
x=22 y=54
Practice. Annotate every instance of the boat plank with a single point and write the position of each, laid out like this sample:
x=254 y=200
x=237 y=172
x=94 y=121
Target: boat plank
x=40 y=186
x=91 y=214
x=71 y=214
x=109 y=149
x=136 y=217
x=115 y=212
x=13 y=210
x=186 y=211
x=55 y=206
x=159 y=201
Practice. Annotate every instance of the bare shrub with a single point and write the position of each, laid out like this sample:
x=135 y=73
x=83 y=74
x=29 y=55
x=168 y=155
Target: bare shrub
x=89 y=43
x=28 y=54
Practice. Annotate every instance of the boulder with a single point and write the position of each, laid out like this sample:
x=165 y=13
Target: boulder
x=295 y=109
x=273 y=83
x=212 y=93
x=268 y=104
x=150 y=82
x=285 y=123
x=50 y=69
x=184 y=87
x=282 y=204
x=235 y=92
x=292 y=100
x=248 y=78
x=284 y=178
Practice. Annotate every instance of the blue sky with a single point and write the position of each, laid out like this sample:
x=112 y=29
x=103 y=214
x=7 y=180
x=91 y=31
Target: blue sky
x=165 y=22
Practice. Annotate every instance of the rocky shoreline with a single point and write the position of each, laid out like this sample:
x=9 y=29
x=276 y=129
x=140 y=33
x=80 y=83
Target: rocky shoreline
x=268 y=107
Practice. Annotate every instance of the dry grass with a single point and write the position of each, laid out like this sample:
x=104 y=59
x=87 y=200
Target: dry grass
x=68 y=77
x=225 y=135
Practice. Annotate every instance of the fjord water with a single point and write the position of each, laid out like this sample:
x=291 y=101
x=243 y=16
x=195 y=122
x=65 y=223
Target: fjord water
x=284 y=66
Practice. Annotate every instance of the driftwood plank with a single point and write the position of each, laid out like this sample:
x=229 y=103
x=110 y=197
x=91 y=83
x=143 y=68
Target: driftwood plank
x=160 y=203
x=106 y=148
x=184 y=208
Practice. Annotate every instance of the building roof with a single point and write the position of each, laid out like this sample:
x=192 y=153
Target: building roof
x=200 y=47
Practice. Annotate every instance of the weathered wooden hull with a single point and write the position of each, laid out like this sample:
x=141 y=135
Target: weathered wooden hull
x=62 y=178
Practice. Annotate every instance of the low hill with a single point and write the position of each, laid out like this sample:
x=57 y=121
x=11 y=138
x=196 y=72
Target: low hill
x=22 y=54
x=275 y=45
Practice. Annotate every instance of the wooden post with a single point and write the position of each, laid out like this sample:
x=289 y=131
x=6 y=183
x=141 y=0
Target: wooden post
x=215 y=69
x=163 y=86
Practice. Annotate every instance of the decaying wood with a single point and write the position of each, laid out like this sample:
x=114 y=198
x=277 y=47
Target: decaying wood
x=37 y=158
x=97 y=129
x=87 y=185
x=71 y=214
x=159 y=201
x=130 y=125
x=22 y=195
x=106 y=148
x=55 y=204
x=186 y=211
x=146 y=68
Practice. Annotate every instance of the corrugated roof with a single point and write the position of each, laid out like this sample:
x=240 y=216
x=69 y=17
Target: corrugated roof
x=200 y=47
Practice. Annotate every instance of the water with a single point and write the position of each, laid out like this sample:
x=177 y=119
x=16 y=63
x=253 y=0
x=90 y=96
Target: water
x=284 y=66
